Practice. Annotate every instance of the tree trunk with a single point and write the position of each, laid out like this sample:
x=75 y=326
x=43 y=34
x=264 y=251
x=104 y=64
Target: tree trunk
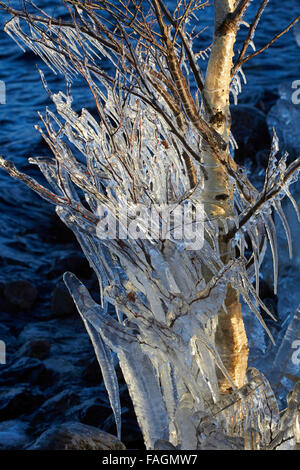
x=231 y=339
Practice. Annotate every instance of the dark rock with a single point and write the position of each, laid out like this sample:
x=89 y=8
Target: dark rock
x=92 y=373
x=270 y=300
x=265 y=290
x=21 y=294
x=55 y=409
x=161 y=444
x=250 y=130
x=17 y=401
x=62 y=304
x=267 y=99
x=120 y=375
x=70 y=350
x=48 y=329
x=58 y=232
x=7 y=337
x=36 y=348
x=133 y=438
x=28 y=370
x=95 y=414
x=13 y=435
x=76 y=436
x=78 y=265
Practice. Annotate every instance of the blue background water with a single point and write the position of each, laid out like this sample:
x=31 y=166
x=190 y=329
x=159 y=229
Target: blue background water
x=31 y=238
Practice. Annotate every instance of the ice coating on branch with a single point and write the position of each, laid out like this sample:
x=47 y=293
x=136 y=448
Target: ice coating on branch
x=110 y=179
x=162 y=338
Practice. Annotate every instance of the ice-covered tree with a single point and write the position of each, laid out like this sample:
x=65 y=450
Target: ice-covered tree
x=161 y=150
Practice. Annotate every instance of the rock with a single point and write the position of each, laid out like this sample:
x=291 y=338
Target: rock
x=7 y=338
x=49 y=329
x=95 y=414
x=266 y=100
x=54 y=409
x=62 y=304
x=161 y=444
x=92 y=373
x=76 y=436
x=76 y=264
x=36 y=348
x=250 y=130
x=57 y=232
x=27 y=370
x=71 y=348
x=13 y=435
x=17 y=401
x=21 y=294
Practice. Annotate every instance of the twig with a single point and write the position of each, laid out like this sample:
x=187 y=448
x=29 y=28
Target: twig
x=237 y=65
x=250 y=35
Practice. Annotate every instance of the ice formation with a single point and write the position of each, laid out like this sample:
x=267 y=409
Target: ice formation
x=163 y=332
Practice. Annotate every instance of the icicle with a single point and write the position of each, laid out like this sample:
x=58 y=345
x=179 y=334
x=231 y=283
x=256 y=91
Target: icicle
x=243 y=75
x=145 y=394
x=103 y=353
x=244 y=292
x=212 y=350
x=255 y=248
x=295 y=205
x=119 y=314
x=203 y=357
x=271 y=232
x=184 y=418
x=225 y=224
x=233 y=142
x=252 y=45
x=244 y=23
x=242 y=244
x=106 y=363
x=116 y=336
x=285 y=224
x=169 y=391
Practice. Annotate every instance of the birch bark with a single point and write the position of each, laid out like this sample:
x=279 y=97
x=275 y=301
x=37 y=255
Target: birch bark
x=230 y=337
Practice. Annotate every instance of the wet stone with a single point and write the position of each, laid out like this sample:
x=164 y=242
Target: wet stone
x=21 y=294
x=36 y=348
x=62 y=304
x=27 y=370
x=76 y=436
x=17 y=401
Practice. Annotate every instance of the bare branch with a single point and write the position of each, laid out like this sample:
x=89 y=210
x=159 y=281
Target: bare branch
x=254 y=54
x=250 y=35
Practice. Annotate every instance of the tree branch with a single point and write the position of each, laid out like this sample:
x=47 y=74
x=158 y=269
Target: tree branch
x=243 y=61
x=250 y=35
